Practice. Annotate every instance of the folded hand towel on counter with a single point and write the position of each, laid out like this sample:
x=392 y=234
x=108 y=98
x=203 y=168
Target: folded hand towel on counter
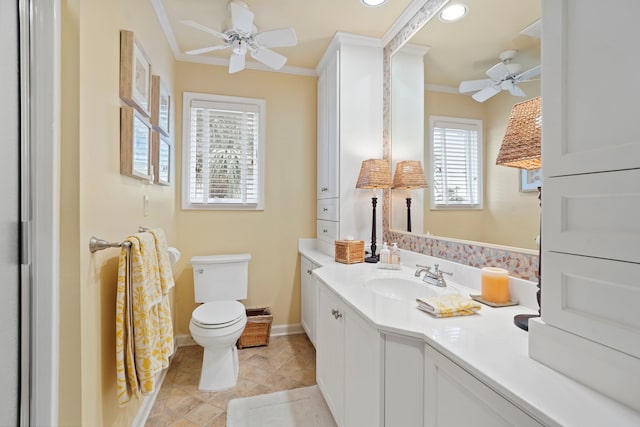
x=448 y=305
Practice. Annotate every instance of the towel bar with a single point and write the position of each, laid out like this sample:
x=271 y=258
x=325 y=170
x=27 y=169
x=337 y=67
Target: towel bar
x=96 y=244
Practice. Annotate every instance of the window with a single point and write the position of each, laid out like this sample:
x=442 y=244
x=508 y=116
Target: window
x=455 y=163
x=223 y=152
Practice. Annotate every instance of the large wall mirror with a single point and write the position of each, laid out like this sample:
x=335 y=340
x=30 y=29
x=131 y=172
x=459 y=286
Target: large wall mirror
x=425 y=73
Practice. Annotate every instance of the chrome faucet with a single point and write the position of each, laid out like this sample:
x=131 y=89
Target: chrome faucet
x=435 y=277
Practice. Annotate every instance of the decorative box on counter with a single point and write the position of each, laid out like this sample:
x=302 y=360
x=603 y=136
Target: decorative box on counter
x=349 y=251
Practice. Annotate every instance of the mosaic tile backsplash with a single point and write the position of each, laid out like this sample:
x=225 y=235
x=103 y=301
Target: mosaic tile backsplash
x=474 y=254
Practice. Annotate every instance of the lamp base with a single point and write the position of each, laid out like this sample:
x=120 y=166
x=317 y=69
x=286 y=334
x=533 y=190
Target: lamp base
x=372 y=259
x=522 y=320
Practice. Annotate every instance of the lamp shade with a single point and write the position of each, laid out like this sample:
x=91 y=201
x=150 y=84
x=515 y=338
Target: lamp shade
x=521 y=143
x=374 y=173
x=409 y=175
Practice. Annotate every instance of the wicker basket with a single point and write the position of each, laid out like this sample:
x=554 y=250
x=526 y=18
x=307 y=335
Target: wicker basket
x=258 y=328
x=349 y=251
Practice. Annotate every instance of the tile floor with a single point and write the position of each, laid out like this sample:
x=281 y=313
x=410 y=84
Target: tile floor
x=288 y=362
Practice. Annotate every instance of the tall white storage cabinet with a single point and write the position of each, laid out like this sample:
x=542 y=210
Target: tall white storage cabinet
x=349 y=131
x=590 y=326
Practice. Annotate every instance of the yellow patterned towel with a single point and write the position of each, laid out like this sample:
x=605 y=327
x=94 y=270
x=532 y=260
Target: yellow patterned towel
x=448 y=305
x=143 y=319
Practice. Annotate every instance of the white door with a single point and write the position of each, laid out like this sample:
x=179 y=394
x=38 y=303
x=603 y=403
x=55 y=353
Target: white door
x=9 y=217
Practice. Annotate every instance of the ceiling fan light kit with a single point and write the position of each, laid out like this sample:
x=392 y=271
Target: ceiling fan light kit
x=373 y=3
x=505 y=75
x=243 y=36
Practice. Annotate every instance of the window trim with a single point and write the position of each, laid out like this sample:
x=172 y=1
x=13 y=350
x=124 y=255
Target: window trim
x=187 y=99
x=466 y=122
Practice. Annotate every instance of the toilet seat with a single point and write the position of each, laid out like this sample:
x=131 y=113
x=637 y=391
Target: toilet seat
x=218 y=314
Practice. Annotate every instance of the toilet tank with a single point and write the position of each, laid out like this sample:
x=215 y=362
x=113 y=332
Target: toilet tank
x=220 y=277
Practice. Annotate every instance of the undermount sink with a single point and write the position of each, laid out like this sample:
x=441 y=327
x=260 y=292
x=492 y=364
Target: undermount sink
x=402 y=288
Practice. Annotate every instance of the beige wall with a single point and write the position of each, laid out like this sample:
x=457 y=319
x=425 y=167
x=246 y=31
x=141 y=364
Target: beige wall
x=509 y=217
x=97 y=200
x=270 y=236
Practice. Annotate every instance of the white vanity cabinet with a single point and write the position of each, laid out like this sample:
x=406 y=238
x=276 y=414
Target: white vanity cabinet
x=349 y=131
x=309 y=297
x=453 y=398
x=348 y=362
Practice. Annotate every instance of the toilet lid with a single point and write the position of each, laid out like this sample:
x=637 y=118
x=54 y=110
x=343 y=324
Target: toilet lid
x=218 y=313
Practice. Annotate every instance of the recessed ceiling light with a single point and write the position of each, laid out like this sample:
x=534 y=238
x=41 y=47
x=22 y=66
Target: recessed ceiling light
x=373 y=3
x=453 y=12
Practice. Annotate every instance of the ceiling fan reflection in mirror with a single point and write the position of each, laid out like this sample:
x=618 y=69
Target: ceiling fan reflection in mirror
x=243 y=37
x=505 y=75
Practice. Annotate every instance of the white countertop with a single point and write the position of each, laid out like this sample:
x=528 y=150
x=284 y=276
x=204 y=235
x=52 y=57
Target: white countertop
x=488 y=345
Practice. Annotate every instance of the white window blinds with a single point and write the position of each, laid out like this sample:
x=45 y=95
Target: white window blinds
x=456 y=150
x=224 y=152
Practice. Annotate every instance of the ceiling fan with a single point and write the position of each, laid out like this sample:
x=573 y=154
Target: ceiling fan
x=243 y=37
x=505 y=75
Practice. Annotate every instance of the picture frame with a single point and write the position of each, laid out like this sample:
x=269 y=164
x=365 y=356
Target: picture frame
x=160 y=106
x=162 y=157
x=135 y=74
x=530 y=180
x=135 y=144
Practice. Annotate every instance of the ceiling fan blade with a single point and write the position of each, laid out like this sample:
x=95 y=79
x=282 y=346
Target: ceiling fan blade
x=526 y=75
x=277 y=38
x=498 y=72
x=206 y=29
x=269 y=57
x=241 y=18
x=485 y=93
x=236 y=63
x=473 y=85
x=516 y=91
x=206 y=49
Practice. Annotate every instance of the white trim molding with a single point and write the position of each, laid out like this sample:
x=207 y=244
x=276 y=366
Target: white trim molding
x=441 y=88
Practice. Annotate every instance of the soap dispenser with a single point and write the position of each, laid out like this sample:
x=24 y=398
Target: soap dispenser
x=395 y=254
x=385 y=254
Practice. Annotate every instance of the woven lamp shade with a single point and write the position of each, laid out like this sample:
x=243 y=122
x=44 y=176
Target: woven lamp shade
x=374 y=173
x=409 y=175
x=521 y=144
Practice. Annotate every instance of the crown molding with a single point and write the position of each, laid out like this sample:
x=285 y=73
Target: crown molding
x=441 y=88
x=342 y=39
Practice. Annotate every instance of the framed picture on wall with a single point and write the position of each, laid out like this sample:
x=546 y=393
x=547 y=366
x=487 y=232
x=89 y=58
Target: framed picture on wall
x=162 y=153
x=530 y=180
x=135 y=74
x=135 y=144
x=160 y=106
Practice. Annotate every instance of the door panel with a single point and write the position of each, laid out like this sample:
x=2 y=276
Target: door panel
x=9 y=215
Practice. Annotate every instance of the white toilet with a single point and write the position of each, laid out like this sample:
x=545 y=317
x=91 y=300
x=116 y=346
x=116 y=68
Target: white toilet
x=219 y=281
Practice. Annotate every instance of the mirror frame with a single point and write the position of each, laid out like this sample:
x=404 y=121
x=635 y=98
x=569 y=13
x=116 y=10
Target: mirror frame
x=519 y=262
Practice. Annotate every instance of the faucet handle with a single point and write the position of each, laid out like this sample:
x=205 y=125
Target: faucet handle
x=441 y=272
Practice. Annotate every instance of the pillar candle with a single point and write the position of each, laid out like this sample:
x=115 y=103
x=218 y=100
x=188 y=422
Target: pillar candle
x=495 y=285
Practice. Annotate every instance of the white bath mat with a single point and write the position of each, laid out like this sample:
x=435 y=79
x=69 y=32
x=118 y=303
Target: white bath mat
x=302 y=407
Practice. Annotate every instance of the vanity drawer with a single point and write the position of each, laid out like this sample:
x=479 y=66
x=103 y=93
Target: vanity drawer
x=327 y=230
x=594 y=215
x=328 y=209
x=594 y=298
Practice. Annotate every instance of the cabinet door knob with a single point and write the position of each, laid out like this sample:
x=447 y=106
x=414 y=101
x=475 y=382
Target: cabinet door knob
x=324 y=189
x=336 y=313
x=308 y=271
x=325 y=231
x=325 y=209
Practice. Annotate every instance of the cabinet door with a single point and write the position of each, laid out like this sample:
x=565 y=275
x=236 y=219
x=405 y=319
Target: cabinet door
x=589 y=125
x=455 y=398
x=330 y=351
x=308 y=298
x=328 y=130
x=403 y=381
x=363 y=372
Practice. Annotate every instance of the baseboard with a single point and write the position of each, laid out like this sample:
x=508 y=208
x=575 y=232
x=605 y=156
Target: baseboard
x=279 y=330
x=184 y=340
